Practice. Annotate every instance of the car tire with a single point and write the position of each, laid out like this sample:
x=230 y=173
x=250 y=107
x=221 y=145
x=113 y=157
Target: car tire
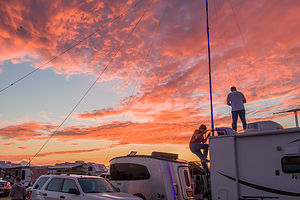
x=207 y=195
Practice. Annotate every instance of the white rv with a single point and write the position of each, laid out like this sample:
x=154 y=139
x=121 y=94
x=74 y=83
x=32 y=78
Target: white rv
x=24 y=172
x=156 y=177
x=259 y=164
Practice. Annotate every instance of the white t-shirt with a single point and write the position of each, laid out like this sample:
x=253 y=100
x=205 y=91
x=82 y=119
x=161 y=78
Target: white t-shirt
x=236 y=99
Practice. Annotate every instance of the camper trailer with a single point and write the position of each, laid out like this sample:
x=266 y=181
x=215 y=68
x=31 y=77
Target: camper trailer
x=27 y=174
x=24 y=172
x=156 y=177
x=261 y=163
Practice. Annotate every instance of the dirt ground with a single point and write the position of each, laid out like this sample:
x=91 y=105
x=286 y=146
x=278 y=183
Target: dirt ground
x=4 y=198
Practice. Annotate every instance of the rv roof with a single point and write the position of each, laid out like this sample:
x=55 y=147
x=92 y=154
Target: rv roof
x=15 y=167
x=147 y=156
x=262 y=133
x=65 y=166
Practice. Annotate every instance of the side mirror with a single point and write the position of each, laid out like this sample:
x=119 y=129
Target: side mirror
x=74 y=191
x=118 y=189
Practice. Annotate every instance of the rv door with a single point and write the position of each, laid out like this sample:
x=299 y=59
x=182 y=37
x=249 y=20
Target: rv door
x=185 y=182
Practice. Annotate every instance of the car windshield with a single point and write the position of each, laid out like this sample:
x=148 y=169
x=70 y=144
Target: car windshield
x=95 y=185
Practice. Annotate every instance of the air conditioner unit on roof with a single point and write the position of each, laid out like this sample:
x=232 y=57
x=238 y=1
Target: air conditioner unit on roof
x=264 y=125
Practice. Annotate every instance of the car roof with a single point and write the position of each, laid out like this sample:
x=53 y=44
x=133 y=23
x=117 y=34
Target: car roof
x=70 y=176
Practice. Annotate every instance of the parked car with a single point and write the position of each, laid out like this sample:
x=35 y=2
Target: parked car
x=76 y=187
x=5 y=188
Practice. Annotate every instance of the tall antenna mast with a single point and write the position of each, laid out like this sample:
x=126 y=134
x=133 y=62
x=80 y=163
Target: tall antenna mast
x=209 y=67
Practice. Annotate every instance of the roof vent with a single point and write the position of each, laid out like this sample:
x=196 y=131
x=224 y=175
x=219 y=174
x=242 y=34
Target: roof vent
x=132 y=153
x=169 y=156
x=264 y=126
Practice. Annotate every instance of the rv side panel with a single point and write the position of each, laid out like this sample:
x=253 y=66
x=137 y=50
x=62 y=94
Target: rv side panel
x=259 y=160
x=223 y=162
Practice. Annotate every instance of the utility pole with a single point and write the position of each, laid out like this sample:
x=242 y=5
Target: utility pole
x=209 y=75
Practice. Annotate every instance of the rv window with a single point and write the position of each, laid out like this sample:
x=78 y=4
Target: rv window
x=7 y=176
x=291 y=164
x=187 y=179
x=23 y=174
x=128 y=171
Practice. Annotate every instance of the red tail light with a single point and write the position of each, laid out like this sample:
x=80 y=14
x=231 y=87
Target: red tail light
x=175 y=185
x=194 y=187
x=6 y=187
x=29 y=194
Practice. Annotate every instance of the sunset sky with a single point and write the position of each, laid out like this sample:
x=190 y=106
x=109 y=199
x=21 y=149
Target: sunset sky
x=153 y=93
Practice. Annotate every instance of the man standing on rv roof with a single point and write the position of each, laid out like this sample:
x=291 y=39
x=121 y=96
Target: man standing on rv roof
x=236 y=100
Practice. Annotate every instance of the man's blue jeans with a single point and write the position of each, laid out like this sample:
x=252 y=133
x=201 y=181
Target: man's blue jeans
x=196 y=149
x=235 y=114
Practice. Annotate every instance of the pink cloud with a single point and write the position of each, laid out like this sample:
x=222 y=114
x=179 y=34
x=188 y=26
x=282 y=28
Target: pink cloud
x=255 y=46
x=178 y=67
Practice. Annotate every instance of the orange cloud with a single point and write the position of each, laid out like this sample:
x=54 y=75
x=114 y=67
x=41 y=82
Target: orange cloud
x=24 y=132
x=255 y=46
x=21 y=157
x=9 y=143
x=46 y=154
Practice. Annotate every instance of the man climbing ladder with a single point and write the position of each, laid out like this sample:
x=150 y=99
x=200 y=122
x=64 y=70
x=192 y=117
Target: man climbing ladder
x=198 y=142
